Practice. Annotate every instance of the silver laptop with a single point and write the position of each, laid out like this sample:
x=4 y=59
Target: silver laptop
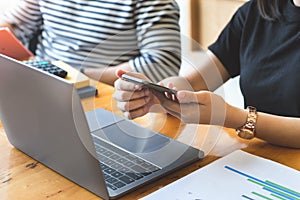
x=43 y=117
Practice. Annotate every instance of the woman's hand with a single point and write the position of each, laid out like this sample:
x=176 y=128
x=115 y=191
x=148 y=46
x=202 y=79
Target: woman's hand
x=201 y=107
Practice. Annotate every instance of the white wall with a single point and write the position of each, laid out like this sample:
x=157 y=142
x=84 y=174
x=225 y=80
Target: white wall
x=4 y=4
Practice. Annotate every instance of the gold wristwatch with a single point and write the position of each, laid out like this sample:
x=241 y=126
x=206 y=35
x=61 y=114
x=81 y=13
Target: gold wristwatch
x=247 y=131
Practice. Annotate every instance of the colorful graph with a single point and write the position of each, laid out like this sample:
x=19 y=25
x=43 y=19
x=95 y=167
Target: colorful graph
x=277 y=191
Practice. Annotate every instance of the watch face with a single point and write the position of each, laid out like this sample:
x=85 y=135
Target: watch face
x=246 y=134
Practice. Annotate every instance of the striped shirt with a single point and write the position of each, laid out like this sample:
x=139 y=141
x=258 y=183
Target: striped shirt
x=103 y=33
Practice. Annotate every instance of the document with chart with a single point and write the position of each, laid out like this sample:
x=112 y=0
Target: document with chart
x=239 y=175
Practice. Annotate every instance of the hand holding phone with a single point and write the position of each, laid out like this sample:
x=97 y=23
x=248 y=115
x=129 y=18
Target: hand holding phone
x=167 y=92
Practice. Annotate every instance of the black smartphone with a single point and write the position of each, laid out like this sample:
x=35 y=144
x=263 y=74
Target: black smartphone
x=168 y=92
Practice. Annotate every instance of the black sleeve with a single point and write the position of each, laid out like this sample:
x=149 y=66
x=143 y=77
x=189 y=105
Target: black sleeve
x=227 y=46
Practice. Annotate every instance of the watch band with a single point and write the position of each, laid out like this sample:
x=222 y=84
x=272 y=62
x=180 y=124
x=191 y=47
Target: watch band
x=247 y=131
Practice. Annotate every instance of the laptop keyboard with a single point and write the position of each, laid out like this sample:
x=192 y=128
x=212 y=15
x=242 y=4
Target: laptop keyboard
x=47 y=67
x=120 y=167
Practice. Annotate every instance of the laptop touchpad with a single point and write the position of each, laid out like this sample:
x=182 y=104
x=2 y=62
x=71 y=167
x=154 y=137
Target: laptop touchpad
x=132 y=137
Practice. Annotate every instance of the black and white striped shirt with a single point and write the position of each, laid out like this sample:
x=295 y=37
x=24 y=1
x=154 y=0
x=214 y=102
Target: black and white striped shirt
x=103 y=33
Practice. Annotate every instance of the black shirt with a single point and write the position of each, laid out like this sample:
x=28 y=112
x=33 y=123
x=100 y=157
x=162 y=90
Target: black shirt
x=266 y=55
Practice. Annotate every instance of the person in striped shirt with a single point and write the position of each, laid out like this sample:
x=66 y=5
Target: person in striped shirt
x=101 y=36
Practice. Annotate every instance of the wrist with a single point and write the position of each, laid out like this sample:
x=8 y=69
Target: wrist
x=235 y=117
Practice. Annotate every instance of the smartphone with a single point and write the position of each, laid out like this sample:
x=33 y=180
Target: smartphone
x=168 y=92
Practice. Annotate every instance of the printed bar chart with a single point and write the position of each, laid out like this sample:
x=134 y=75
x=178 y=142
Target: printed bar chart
x=276 y=190
x=239 y=175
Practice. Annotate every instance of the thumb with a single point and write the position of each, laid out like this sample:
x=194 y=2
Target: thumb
x=120 y=72
x=184 y=96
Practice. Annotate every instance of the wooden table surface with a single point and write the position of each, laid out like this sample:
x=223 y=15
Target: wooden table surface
x=21 y=177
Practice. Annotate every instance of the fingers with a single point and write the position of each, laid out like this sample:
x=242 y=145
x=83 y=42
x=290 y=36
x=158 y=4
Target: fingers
x=168 y=95
x=128 y=106
x=135 y=108
x=171 y=96
x=133 y=104
x=131 y=99
x=120 y=72
x=172 y=106
x=121 y=85
x=132 y=114
x=201 y=97
x=135 y=101
x=129 y=95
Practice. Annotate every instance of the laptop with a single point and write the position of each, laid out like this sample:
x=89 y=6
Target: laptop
x=11 y=46
x=102 y=152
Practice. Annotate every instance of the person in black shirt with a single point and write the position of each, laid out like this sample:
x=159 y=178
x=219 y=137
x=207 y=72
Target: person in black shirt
x=261 y=43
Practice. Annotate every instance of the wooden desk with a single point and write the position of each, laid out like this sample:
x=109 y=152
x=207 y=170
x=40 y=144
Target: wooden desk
x=24 y=178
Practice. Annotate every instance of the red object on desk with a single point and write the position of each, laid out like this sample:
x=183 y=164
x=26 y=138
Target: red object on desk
x=12 y=47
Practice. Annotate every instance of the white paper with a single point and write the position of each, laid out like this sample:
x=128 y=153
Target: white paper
x=239 y=175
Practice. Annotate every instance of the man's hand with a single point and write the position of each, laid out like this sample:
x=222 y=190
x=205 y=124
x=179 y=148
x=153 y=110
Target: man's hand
x=132 y=99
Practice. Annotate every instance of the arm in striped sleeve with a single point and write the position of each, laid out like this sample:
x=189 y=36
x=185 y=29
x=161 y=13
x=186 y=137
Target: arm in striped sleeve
x=158 y=36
